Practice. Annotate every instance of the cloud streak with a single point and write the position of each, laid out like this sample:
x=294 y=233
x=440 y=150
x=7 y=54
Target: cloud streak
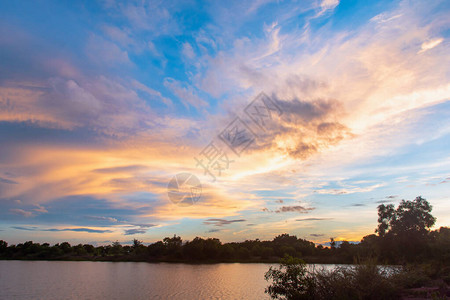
x=80 y=229
x=221 y=222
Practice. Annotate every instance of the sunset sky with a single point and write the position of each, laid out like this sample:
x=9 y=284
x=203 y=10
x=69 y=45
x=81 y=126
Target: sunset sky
x=102 y=103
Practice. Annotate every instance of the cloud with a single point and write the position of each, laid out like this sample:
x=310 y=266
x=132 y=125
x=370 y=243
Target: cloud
x=101 y=50
x=304 y=128
x=154 y=17
x=40 y=209
x=142 y=87
x=383 y=201
x=188 y=51
x=79 y=229
x=388 y=199
x=185 y=92
x=350 y=190
x=313 y=219
x=82 y=229
x=371 y=61
x=100 y=104
x=108 y=219
x=143 y=225
x=430 y=44
x=317 y=234
x=297 y=208
x=358 y=204
x=135 y=231
x=21 y=212
x=326 y=5
x=8 y=181
x=122 y=36
x=221 y=222
x=24 y=228
x=343 y=92
x=121 y=169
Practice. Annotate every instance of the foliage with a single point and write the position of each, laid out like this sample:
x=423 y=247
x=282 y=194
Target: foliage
x=409 y=217
x=290 y=280
x=367 y=281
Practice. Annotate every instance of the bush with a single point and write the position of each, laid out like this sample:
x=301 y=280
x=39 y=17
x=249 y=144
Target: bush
x=292 y=280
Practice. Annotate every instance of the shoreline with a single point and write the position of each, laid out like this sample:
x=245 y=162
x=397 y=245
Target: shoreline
x=277 y=262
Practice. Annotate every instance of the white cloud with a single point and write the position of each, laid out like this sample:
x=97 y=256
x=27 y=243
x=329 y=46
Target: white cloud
x=430 y=44
x=327 y=5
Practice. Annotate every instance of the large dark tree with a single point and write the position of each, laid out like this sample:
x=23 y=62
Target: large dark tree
x=409 y=217
x=404 y=231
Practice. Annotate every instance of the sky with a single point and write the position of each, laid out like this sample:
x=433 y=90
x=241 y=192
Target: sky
x=335 y=108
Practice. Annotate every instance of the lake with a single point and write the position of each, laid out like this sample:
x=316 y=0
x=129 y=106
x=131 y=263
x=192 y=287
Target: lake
x=130 y=280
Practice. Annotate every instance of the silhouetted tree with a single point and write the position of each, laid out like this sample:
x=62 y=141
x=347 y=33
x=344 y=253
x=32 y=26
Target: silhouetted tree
x=290 y=281
x=116 y=248
x=410 y=216
x=173 y=245
x=156 y=249
x=3 y=246
x=406 y=227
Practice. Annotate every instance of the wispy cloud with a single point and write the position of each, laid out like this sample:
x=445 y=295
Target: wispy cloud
x=313 y=219
x=185 y=92
x=135 y=231
x=295 y=208
x=79 y=229
x=430 y=44
x=316 y=234
x=21 y=212
x=8 y=181
x=221 y=222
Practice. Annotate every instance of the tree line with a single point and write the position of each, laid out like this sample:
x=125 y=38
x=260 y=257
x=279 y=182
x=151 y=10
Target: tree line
x=403 y=236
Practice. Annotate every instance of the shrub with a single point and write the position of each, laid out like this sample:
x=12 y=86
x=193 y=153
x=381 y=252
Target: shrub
x=292 y=280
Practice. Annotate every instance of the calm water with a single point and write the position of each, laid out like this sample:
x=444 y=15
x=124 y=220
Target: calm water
x=128 y=280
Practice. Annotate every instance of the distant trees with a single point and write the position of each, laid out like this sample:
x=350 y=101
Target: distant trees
x=157 y=249
x=116 y=248
x=3 y=246
x=202 y=249
x=173 y=246
x=405 y=227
